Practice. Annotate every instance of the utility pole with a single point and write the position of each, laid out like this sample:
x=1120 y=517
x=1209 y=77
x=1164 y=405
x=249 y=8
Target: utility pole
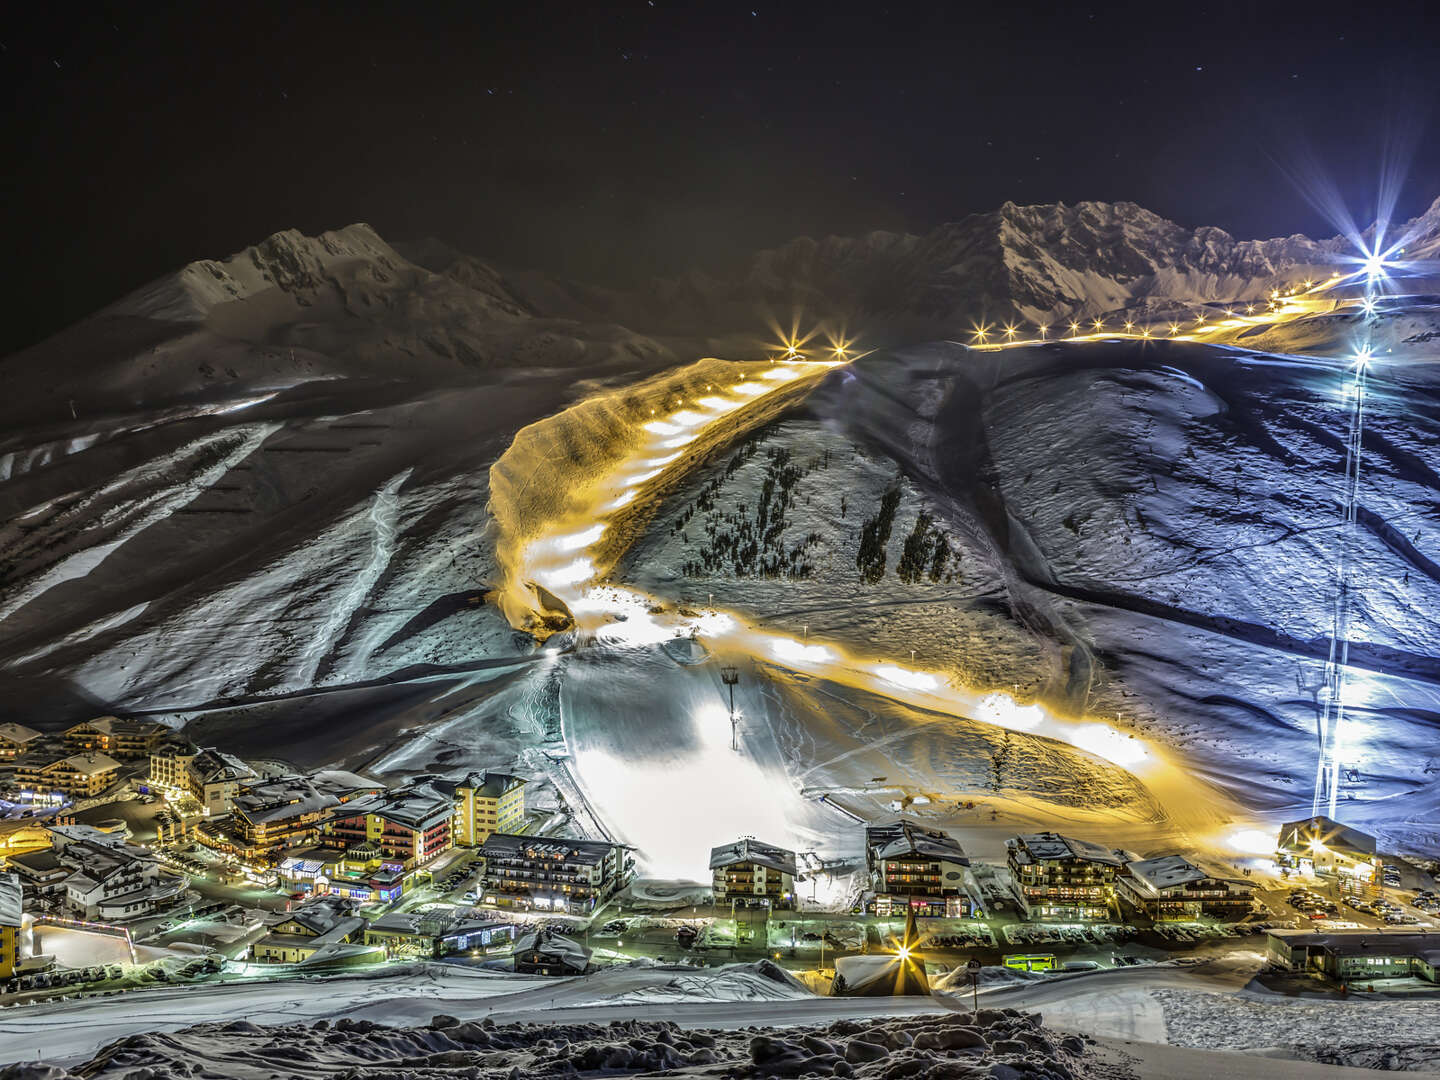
x=730 y=676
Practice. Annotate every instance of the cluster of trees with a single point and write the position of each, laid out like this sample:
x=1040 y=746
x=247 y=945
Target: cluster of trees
x=752 y=545
x=926 y=551
x=875 y=534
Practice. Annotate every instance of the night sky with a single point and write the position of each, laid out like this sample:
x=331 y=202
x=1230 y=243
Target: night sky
x=613 y=141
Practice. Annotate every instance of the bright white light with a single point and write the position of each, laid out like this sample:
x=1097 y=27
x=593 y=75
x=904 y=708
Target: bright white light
x=912 y=680
x=687 y=419
x=579 y=540
x=623 y=500
x=1252 y=842
x=780 y=374
x=1003 y=711
x=660 y=427
x=581 y=570
x=636 y=481
x=794 y=652
x=1374 y=266
x=661 y=462
x=750 y=389
x=1363 y=358
x=719 y=404
x=1104 y=741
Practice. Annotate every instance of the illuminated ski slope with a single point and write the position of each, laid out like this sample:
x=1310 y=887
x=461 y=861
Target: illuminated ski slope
x=653 y=798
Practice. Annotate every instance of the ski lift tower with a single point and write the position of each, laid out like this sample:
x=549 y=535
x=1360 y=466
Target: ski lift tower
x=730 y=676
x=1332 y=714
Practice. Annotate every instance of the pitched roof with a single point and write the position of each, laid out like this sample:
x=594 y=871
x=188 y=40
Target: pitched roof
x=214 y=766
x=1330 y=833
x=1167 y=871
x=492 y=785
x=18 y=733
x=906 y=837
x=91 y=764
x=513 y=846
x=114 y=725
x=1049 y=845
x=554 y=948
x=750 y=850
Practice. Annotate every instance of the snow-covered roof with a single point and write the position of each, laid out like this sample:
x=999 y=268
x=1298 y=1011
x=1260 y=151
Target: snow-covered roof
x=214 y=766
x=282 y=798
x=1049 y=845
x=749 y=850
x=1364 y=943
x=904 y=837
x=1165 y=872
x=18 y=733
x=491 y=785
x=321 y=914
x=418 y=808
x=114 y=725
x=11 y=905
x=90 y=764
x=551 y=947
x=513 y=846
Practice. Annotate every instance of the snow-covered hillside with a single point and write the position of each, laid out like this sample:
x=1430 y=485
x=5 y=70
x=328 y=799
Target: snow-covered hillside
x=257 y=496
x=1140 y=531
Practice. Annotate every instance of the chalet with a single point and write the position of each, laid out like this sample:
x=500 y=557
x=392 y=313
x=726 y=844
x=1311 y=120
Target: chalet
x=216 y=778
x=111 y=880
x=118 y=738
x=550 y=874
x=77 y=775
x=543 y=952
x=435 y=934
x=1057 y=877
x=1172 y=887
x=752 y=874
x=272 y=815
x=408 y=826
x=312 y=928
x=918 y=869
x=15 y=739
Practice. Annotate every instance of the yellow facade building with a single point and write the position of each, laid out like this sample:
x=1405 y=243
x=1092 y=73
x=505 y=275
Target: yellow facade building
x=11 y=915
x=487 y=803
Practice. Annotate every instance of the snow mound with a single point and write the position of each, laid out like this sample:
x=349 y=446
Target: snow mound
x=763 y=980
x=990 y=1043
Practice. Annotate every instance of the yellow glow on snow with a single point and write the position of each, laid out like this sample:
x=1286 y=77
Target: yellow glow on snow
x=1104 y=741
x=622 y=501
x=911 y=680
x=1003 y=711
x=574 y=573
x=792 y=651
x=1251 y=842
x=582 y=539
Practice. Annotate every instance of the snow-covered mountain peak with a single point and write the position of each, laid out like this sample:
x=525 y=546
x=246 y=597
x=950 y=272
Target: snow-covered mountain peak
x=287 y=262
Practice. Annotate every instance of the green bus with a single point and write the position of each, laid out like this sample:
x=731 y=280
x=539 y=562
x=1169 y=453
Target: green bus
x=1031 y=962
